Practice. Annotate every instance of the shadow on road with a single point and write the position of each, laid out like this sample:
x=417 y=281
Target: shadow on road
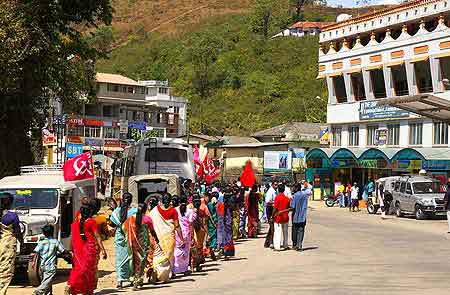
x=310 y=248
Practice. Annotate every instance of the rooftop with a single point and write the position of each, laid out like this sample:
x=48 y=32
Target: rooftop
x=308 y=24
x=292 y=131
x=254 y=145
x=115 y=79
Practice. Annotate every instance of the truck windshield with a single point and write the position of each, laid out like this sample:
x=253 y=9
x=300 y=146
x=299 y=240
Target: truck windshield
x=33 y=198
x=426 y=187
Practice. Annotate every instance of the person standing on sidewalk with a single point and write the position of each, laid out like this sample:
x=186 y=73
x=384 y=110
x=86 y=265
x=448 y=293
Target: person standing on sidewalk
x=447 y=204
x=269 y=198
x=299 y=206
x=281 y=208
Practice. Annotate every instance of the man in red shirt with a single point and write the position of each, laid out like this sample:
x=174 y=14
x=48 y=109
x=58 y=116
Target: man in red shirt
x=281 y=207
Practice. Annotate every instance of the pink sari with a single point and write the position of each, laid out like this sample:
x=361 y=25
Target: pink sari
x=181 y=264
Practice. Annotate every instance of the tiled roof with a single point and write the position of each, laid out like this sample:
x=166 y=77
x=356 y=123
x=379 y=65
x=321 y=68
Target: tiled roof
x=115 y=79
x=292 y=131
x=239 y=140
x=319 y=25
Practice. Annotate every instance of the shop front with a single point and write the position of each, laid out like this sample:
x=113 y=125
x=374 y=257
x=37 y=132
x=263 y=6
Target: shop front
x=328 y=168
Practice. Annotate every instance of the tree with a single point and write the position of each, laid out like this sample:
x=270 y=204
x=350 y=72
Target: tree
x=298 y=5
x=43 y=55
x=262 y=16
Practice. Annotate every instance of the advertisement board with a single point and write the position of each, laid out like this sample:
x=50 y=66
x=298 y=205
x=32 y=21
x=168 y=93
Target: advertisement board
x=73 y=150
x=370 y=110
x=48 y=138
x=324 y=136
x=277 y=161
x=381 y=136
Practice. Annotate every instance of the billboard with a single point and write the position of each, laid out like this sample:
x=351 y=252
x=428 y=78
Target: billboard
x=73 y=150
x=370 y=110
x=277 y=161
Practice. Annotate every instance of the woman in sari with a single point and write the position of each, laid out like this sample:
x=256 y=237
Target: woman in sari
x=85 y=243
x=251 y=202
x=9 y=234
x=200 y=231
x=136 y=229
x=225 y=225
x=212 y=224
x=165 y=222
x=182 y=250
x=121 y=248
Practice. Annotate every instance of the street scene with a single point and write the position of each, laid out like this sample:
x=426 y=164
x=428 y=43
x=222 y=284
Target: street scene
x=235 y=147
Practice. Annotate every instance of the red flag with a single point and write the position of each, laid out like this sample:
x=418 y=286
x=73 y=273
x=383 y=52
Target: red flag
x=80 y=167
x=248 y=178
x=213 y=172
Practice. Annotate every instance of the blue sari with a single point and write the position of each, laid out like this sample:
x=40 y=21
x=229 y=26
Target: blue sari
x=122 y=250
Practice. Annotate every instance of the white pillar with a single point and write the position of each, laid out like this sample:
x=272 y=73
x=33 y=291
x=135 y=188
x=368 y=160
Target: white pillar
x=349 y=88
x=331 y=94
x=368 y=85
x=362 y=136
x=427 y=133
x=388 y=82
x=344 y=136
x=411 y=77
x=404 y=134
x=436 y=77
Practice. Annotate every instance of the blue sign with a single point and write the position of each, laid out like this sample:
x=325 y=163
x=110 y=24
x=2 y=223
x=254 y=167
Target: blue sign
x=93 y=141
x=73 y=150
x=137 y=125
x=370 y=110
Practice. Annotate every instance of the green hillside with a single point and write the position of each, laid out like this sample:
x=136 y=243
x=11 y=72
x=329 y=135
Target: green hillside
x=236 y=81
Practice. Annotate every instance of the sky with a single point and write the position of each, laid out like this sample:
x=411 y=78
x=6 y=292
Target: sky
x=353 y=3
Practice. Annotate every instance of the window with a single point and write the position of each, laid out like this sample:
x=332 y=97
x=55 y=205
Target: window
x=415 y=133
x=113 y=87
x=358 y=86
x=440 y=133
x=130 y=89
x=393 y=134
x=400 y=81
x=165 y=155
x=371 y=135
x=110 y=132
x=445 y=67
x=423 y=76
x=337 y=136
x=353 y=136
x=339 y=89
x=139 y=116
x=378 y=87
x=402 y=187
x=107 y=111
x=91 y=110
x=162 y=90
x=158 y=118
x=408 y=189
x=92 y=131
x=141 y=90
x=130 y=116
x=75 y=131
x=151 y=91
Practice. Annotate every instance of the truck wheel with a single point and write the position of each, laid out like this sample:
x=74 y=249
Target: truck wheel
x=419 y=214
x=34 y=275
x=371 y=208
x=398 y=210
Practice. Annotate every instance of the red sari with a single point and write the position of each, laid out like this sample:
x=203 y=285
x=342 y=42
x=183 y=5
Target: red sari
x=251 y=202
x=83 y=277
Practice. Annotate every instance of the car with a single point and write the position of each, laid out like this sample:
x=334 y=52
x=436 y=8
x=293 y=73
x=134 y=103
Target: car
x=418 y=195
x=41 y=197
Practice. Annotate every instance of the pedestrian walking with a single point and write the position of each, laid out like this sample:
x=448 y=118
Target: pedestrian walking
x=10 y=234
x=341 y=195
x=269 y=198
x=447 y=204
x=281 y=208
x=299 y=206
x=354 y=194
x=47 y=251
x=251 y=202
x=186 y=217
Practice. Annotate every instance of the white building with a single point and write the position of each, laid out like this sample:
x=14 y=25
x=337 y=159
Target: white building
x=158 y=94
x=301 y=29
x=396 y=56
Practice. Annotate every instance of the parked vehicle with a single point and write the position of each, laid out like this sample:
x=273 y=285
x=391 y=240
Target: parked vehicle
x=418 y=195
x=153 y=184
x=373 y=203
x=331 y=200
x=41 y=197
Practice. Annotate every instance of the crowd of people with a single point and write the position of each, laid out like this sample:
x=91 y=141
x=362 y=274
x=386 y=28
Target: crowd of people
x=164 y=237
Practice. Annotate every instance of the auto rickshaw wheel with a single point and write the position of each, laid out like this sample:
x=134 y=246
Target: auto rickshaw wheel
x=371 y=208
x=34 y=273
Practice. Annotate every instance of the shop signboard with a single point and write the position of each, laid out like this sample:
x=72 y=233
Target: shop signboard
x=381 y=136
x=298 y=153
x=112 y=143
x=123 y=126
x=48 y=138
x=370 y=110
x=436 y=165
x=73 y=150
x=93 y=141
x=324 y=136
x=408 y=164
x=277 y=161
x=139 y=125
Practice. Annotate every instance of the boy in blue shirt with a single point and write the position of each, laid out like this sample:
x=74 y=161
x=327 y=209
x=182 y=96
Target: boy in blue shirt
x=47 y=250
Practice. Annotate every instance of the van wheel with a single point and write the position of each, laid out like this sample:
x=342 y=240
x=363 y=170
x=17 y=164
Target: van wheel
x=371 y=208
x=398 y=210
x=419 y=214
x=34 y=274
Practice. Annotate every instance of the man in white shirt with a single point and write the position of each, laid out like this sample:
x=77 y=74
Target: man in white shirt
x=269 y=199
x=287 y=190
x=354 y=193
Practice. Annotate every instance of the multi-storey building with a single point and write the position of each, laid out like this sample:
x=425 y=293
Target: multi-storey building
x=122 y=108
x=371 y=62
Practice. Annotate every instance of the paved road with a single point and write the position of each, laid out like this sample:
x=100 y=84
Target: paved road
x=348 y=254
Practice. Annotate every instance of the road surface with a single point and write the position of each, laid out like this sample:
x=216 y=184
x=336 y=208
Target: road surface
x=347 y=253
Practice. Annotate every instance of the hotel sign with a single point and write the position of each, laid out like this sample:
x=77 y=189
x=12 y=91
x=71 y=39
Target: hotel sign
x=369 y=110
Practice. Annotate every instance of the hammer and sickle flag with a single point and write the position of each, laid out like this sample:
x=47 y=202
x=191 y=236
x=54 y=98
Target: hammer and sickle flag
x=78 y=168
